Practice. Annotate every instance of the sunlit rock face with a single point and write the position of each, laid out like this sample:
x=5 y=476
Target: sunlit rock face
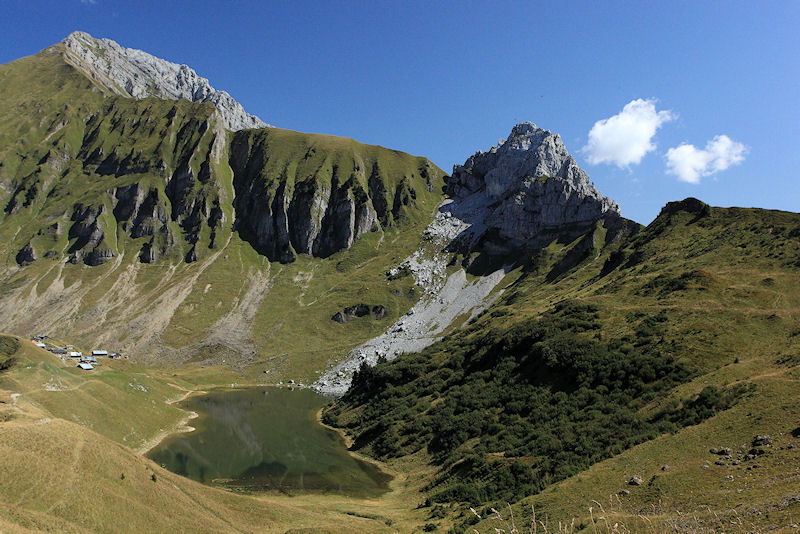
x=531 y=189
x=134 y=73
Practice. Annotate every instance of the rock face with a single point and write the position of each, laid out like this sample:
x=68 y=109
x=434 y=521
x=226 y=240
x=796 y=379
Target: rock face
x=165 y=197
x=317 y=199
x=134 y=73
x=359 y=310
x=529 y=189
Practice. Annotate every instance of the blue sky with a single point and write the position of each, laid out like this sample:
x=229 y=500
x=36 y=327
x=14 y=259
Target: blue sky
x=446 y=79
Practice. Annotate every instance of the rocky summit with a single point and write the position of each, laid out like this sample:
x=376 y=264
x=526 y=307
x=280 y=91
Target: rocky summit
x=131 y=72
x=525 y=191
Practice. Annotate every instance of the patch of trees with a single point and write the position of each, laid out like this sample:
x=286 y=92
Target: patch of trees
x=506 y=412
x=8 y=348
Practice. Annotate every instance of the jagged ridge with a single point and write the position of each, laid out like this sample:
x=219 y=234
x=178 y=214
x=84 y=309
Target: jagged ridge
x=134 y=73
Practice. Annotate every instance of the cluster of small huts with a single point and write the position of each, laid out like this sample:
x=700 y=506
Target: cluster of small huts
x=85 y=362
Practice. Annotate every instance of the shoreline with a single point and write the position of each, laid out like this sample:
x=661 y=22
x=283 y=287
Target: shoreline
x=181 y=427
x=348 y=442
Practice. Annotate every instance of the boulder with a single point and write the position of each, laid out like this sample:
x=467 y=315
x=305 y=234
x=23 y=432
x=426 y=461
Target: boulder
x=359 y=310
x=26 y=255
x=98 y=256
x=762 y=440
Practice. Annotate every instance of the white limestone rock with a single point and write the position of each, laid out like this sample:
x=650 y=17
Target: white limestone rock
x=137 y=74
x=530 y=188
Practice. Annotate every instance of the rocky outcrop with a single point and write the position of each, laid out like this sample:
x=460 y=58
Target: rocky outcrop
x=137 y=74
x=26 y=255
x=378 y=312
x=525 y=192
x=87 y=235
x=98 y=256
x=139 y=209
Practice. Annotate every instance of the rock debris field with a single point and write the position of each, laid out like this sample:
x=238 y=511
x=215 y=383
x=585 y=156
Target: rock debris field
x=444 y=299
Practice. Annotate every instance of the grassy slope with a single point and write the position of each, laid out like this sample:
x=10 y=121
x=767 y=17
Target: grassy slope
x=51 y=134
x=736 y=318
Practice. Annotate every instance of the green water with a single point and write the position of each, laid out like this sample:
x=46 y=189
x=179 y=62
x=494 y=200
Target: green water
x=267 y=439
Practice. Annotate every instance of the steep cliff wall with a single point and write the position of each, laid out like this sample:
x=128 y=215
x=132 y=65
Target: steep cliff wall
x=315 y=194
x=153 y=177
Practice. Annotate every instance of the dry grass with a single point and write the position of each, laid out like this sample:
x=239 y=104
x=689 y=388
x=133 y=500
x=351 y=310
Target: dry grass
x=61 y=475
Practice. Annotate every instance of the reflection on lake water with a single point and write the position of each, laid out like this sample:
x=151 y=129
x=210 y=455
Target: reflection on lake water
x=267 y=439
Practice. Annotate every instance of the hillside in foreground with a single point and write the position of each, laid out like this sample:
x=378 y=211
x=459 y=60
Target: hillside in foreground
x=71 y=444
x=634 y=362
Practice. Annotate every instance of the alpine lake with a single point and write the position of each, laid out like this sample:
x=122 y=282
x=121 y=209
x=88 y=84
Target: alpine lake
x=267 y=439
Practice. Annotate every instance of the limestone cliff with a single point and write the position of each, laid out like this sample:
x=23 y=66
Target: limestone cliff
x=526 y=191
x=134 y=73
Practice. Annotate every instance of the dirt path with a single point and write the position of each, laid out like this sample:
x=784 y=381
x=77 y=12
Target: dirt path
x=771 y=374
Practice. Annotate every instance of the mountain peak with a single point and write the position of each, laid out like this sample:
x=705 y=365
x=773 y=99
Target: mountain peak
x=530 y=187
x=135 y=73
x=525 y=128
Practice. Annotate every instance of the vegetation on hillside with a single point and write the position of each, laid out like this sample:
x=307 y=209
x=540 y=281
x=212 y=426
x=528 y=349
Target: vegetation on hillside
x=640 y=340
x=507 y=412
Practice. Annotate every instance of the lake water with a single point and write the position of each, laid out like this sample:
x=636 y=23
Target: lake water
x=266 y=439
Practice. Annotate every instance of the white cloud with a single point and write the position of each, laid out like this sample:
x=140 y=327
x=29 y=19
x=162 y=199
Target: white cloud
x=625 y=138
x=690 y=163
